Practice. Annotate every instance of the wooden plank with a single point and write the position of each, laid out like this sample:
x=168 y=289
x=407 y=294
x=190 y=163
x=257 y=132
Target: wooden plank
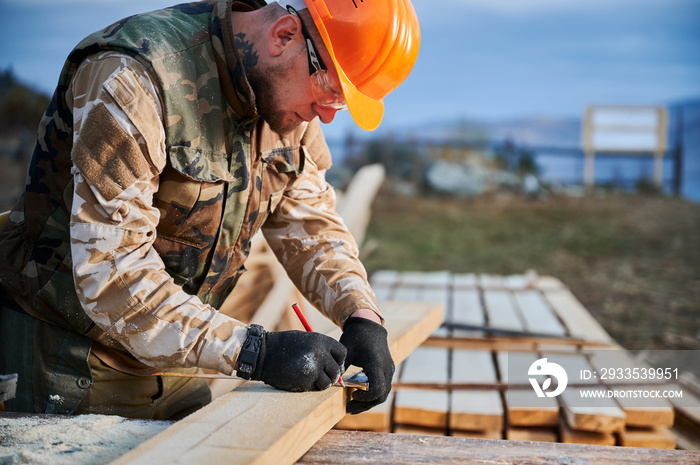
x=640 y=412
x=504 y=343
x=356 y=207
x=600 y=414
x=435 y=289
x=426 y=365
x=521 y=281
x=537 y=314
x=413 y=279
x=570 y=435
x=687 y=410
x=387 y=278
x=656 y=438
x=521 y=412
x=578 y=321
x=423 y=407
x=382 y=294
x=539 y=434
x=383 y=283
x=465 y=281
x=467 y=309
x=596 y=414
x=488 y=281
x=495 y=434
x=501 y=310
x=615 y=359
x=406 y=293
x=573 y=363
x=259 y=424
x=421 y=430
x=523 y=406
x=646 y=412
x=355 y=447
x=475 y=410
x=437 y=279
x=473 y=366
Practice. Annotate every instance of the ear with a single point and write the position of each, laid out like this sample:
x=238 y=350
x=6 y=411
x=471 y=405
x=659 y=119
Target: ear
x=282 y=34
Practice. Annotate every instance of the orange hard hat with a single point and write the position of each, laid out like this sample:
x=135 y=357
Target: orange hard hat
x=373 y=44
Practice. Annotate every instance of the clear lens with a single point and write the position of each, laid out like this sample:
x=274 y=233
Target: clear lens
x=325 y=92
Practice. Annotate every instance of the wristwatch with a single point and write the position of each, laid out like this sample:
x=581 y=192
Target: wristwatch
x=248 y=357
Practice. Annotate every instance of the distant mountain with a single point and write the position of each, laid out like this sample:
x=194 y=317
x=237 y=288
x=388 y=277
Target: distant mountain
x=538 y=132
x=528 y=131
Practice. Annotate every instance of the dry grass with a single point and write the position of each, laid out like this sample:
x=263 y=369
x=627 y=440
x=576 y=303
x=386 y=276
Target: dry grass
x=632 y=260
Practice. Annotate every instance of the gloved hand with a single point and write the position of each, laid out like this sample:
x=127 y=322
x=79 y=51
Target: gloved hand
x=366 y=342
x=299 y=361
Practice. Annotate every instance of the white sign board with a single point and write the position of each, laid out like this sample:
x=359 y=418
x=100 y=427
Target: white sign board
x=625 y=129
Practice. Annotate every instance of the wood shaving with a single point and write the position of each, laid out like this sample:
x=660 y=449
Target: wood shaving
x=82 y=439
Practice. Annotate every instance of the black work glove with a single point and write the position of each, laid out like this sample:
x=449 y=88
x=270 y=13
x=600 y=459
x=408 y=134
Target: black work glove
x=299 y=361
x=368 y=349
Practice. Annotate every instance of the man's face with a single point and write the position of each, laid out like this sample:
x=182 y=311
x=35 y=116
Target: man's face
x=283 y=93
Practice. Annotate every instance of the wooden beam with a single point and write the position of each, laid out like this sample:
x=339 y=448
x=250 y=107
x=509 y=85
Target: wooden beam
x=501 y=310
x=580 y=323
x=259 y=424
x=343 y=447
x=523 y=406
x=539 y=434
x=640 y=412
x=356 y=205
x=656 y=438
x=537 y=314
x=467 y=309
x=570 y=435
x=593 y=414
x=424 y=407
x=475 y=410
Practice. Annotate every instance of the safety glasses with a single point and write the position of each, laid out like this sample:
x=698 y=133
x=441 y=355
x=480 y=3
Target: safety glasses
x=324 y=90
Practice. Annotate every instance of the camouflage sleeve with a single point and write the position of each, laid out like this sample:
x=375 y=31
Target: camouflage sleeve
x=310 y=239
x=118 y=154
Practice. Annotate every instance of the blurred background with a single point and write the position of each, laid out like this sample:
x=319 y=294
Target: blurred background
x=484 y=149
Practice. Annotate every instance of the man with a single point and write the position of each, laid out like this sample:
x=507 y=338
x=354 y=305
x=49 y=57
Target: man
x=173 y=137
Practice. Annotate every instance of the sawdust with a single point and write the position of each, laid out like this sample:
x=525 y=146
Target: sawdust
x=82 y=439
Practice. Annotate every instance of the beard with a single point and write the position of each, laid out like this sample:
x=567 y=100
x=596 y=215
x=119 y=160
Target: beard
x=262 y=81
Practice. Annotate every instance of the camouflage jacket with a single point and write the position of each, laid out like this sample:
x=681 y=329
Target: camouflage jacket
x=151 y=174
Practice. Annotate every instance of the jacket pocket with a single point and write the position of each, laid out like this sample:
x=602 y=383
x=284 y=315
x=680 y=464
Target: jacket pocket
x=190 y=211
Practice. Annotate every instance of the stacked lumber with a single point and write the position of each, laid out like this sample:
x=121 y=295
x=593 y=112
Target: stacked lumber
x=459 y=383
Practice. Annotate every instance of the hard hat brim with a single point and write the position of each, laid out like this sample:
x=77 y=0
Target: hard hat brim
x=366 y=111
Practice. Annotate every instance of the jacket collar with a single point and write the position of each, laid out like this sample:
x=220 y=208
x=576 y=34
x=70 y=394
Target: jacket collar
x=233 y=78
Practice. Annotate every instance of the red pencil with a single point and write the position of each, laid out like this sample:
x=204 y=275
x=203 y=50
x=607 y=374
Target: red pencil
x=307 y=327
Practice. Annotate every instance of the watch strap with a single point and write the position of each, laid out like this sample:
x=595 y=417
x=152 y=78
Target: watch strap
x=250 y=351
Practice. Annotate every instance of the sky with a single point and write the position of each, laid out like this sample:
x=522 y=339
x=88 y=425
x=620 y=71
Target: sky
x=479 y=59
